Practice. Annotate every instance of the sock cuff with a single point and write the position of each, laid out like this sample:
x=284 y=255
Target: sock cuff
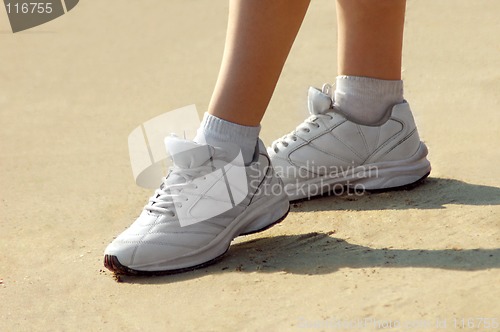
x=370 y=88
x=367 y=101
x=226 y=131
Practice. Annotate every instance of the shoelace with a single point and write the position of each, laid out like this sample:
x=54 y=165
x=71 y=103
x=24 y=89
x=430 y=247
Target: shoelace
x=162 y=202
x=307 y=125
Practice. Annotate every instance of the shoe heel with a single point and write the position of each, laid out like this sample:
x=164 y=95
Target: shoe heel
x=279 y=211
x=400 y=174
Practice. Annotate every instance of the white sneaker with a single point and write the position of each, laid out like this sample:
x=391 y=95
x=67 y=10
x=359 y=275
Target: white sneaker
x=328 y=152
x=208 y=198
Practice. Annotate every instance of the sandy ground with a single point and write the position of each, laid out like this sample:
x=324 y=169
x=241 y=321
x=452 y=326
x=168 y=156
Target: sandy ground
x=71 y=91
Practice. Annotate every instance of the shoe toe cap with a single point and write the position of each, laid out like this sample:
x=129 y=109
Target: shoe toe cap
x=123 y=251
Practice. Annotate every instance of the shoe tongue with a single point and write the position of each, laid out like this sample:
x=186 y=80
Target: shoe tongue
x=318 y=102
x=187 y=154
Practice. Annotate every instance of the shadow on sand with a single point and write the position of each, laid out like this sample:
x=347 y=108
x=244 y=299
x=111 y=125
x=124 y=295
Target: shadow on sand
x=434 y=193
x=320 y=253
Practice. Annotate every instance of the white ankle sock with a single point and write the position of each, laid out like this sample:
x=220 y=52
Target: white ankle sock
x=367 y=101
x=214 y=130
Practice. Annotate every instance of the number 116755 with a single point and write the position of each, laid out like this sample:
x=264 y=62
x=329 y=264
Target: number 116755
x=29 y=8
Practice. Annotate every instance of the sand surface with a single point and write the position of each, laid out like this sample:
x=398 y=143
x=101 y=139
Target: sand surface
x=73 y=89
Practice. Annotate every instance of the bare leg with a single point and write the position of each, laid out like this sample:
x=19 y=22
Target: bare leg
x=370 y=38
x=259 y=37
x=370 y=41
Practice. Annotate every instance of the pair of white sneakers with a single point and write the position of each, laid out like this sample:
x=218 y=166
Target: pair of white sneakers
x=209 y=196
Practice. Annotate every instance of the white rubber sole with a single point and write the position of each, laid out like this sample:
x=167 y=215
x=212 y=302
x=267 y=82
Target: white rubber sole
x=376 y=176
